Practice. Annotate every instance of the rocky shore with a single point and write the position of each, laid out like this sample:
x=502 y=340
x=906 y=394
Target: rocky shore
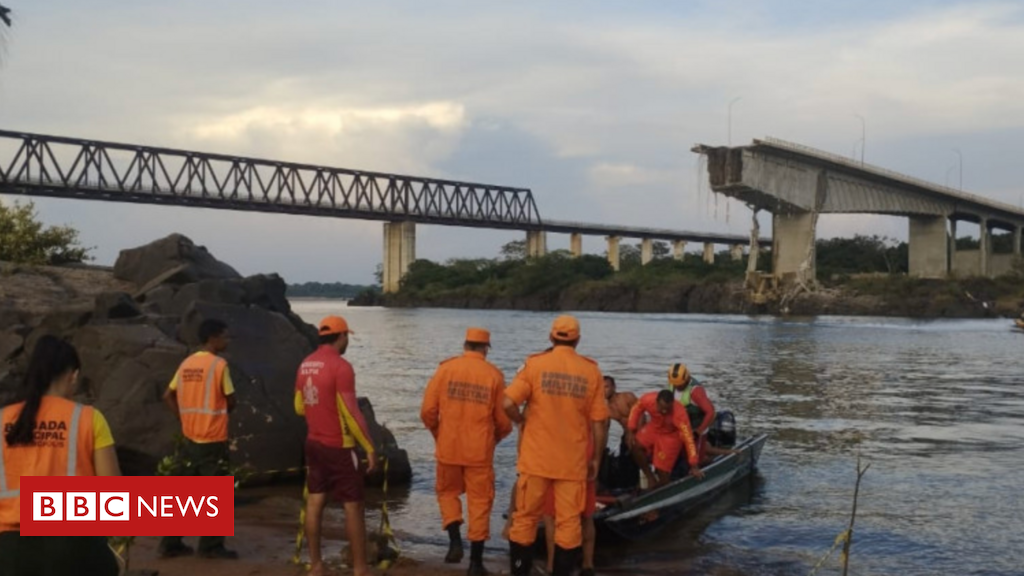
x=134 y=324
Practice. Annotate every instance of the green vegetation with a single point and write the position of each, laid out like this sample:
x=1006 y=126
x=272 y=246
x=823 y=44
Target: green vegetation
x=24 y=240
x=328 y=290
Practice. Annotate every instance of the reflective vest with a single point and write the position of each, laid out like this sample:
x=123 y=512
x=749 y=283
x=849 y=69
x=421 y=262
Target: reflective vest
x=695 y=412
x=63 y=447
x=201 y=401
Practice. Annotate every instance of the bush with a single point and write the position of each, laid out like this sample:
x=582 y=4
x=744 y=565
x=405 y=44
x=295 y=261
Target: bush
x=24 y=240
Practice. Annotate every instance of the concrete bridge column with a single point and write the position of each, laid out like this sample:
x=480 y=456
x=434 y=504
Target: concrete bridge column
x=536 y=243
x=736 y=251
x=613 y=252
x=928 y=247
x=576 y=244
x=709 y=253
x=399 y=253
x=985 y=247
x=646 y=251
x=678 y=247
x=793 y=254
x=1016 y=240
x=952 y=246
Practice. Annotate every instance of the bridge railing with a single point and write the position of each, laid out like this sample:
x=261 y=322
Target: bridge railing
x=75 y=168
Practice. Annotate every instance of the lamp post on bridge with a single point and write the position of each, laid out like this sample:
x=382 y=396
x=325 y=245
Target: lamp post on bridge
x=960 y=156
x=948 y=170
x=731 y=102
x=863 y=136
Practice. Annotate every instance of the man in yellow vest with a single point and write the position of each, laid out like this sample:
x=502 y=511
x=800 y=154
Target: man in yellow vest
x=202 y=394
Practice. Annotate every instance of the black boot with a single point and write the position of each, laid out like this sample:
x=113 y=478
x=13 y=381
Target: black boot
x=521 y=559
x=454 y=555
x=476 y=560
x=565 y=561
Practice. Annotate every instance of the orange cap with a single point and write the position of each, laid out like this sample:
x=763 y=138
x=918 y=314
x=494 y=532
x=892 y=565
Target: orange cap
x=478 y=336
x=334 y=325
x=565 y=328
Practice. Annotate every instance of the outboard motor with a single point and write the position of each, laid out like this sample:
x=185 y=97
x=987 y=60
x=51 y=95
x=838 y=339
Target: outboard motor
x=723 y=432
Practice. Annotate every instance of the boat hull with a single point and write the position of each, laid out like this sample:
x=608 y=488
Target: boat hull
x=641 y=516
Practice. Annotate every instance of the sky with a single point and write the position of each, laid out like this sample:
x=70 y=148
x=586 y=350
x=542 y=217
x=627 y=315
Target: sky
x=593 y=105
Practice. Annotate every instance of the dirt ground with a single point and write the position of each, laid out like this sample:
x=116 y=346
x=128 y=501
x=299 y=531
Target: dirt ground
x=265 y=533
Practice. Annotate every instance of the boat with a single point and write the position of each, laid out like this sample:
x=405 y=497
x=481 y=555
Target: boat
x=1019 y=323
x=638 y=516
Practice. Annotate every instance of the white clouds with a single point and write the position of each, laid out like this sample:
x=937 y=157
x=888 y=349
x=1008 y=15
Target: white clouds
x=595 y=108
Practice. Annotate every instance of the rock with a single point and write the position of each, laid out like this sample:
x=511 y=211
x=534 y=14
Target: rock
x=115 y=305
x=59 y=323
x=399 y=468
x=158 y=300
x=175 y=258
x=10 y=344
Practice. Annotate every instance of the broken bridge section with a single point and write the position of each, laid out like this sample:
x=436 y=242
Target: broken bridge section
x=796 y=184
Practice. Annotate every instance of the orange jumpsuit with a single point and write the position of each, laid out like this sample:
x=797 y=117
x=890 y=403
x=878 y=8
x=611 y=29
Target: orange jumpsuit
x=564 y=393
x=664 y=435
x=462 y=408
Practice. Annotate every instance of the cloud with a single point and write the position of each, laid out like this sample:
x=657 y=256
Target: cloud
x=592 y=105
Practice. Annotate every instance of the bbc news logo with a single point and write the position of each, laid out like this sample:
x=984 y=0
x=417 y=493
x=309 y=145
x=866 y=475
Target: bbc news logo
x=127 y=506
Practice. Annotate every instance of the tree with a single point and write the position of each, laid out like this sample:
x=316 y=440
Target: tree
x=5 y=15
x=23 y=240
x=514 y=250
x=660 y=249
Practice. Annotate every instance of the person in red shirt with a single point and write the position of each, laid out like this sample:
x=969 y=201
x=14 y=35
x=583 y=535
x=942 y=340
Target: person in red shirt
x=663 y=437
x=325 y=393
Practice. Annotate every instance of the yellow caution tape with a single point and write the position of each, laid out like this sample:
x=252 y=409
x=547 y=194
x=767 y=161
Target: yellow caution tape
x=385 y=528
x=841 y=538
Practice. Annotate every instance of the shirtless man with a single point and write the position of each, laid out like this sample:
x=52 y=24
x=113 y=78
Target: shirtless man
x=619 y=404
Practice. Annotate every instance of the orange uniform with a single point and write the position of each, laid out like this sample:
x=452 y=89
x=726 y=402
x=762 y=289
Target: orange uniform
x=462 y=408
x=564 y=393
x=203 y=384
x=66 y=435
x=665 y=434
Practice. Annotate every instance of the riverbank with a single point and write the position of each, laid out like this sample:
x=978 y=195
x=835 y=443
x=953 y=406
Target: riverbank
x=889 y=296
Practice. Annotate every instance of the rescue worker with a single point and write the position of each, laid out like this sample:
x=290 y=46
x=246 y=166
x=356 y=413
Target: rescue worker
x=325 y=393
x=695 y=400
x=47 y=434
x=563 y=392
x=202 y=394
x=661 y=439
x=462 y=408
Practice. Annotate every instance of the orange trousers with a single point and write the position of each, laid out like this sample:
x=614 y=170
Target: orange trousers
x=570 y=498
x=477 y=483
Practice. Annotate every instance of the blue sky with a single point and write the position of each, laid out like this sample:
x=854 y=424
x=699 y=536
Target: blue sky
x=593 y=105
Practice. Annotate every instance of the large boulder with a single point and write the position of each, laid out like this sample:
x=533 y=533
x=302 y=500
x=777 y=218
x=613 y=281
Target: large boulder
x=174 y=259
x=132 y=341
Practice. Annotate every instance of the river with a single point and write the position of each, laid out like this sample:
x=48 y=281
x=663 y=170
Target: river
x=934 y=406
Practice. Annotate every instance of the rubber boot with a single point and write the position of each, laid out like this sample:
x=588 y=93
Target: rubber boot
x=520 y=559
x=565 y=561
x=476 y=560
x=455 y=553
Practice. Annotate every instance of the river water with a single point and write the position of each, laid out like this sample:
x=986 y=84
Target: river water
x=935 y=407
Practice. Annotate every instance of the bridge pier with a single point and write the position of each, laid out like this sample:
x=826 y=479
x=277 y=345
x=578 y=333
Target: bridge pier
x=927 y=246
x=576 y=244
x=985 y=237
x=709 y=253
x=793 y=256
x=646 y=251
x=678 y=248
x=736 y=252
x=613 y=252
x=399 y=253
x=1016 y=240
x=536 y=243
